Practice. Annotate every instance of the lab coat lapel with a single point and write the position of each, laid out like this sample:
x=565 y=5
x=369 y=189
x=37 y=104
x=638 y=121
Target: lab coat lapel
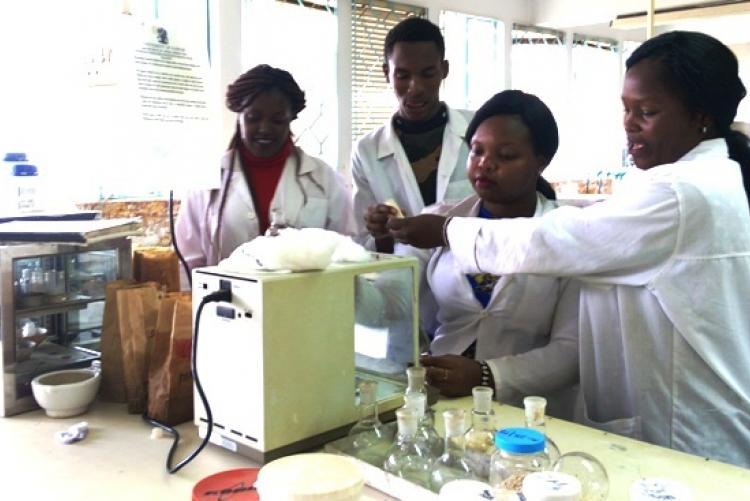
x=404 y=181
x=287 y=199
x=452 y=140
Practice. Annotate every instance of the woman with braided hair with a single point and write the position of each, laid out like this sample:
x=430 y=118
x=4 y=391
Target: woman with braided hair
x=664 y=266
x=265 y=177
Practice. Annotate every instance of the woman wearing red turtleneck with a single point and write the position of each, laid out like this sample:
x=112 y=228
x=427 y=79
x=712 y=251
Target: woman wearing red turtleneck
x=265 y=177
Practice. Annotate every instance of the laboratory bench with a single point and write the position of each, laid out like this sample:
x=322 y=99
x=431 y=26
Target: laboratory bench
x=119 y=460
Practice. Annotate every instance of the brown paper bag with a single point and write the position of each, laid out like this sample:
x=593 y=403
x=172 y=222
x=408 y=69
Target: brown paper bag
x=137 y=309
x=113 y=382
x=170 y=390
x=157 y=264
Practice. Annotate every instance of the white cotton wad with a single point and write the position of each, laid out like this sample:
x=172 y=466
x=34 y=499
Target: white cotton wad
x=295 y=250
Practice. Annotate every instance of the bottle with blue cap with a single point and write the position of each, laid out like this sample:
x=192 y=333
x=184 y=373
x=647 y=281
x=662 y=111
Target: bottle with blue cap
x=520 y=451
x=22 y=195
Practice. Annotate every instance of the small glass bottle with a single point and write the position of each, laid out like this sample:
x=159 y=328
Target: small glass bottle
x=426 y=432
x=534 y=412
x=480 y=438
x=370 y=441
x=520 y=451
x=408 y=457
x=452 y=464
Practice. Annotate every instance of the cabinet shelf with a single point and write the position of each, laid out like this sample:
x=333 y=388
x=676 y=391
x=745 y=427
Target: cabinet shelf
x=78 y=303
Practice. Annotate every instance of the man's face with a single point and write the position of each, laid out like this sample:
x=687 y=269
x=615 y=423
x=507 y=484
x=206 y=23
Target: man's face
x=416 y=69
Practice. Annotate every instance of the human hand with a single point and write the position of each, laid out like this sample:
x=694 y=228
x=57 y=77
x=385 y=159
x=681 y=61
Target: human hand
x=424 y=231
x=452 y=375
x=376 y=219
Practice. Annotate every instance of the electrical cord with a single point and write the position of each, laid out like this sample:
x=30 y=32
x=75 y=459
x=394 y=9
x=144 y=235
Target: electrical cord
x=217 y=296
x=174 y=239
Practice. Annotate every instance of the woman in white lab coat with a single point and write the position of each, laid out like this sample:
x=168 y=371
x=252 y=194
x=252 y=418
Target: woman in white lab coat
x=515 y=333
x=664 y=265
x=265 y=177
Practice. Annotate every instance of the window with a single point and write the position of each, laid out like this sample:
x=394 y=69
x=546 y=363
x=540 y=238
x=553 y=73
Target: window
x=539 y=66
x=372 y=102
x=595 y=134
x=309 y=55
x=474 y=47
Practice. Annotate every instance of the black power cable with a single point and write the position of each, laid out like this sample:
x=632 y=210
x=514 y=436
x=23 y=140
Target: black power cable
x=174 y=239
x=220 y=295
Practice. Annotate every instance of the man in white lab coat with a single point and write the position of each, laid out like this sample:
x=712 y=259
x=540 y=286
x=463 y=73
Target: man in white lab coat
x=664 y=326
x=418 y=157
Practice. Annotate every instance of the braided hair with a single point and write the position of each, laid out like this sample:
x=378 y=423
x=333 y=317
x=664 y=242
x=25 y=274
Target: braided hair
x=535 y=115
x=703 y=73
x=240 y=94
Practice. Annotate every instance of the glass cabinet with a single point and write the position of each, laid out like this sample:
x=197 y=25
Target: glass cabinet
x=51 y=310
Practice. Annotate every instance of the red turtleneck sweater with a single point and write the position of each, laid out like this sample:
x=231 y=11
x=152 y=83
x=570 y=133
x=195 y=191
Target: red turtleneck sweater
x=263 y=174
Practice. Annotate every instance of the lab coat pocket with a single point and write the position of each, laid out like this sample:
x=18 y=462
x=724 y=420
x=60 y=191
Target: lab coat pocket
x=629 y=427
x=313 y=214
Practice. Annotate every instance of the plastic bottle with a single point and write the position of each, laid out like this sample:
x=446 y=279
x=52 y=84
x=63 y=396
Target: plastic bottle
x=520 y=451
x=22 y=194
x=408 y=457
x=452 y=464
x=480 y=438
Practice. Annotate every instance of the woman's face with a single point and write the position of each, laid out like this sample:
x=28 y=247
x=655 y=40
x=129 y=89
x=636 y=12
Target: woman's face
x=264 y=124
x=659 y=128
x=503 y=167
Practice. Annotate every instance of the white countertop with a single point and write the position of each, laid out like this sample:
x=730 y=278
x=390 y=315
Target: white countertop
x=118 y=460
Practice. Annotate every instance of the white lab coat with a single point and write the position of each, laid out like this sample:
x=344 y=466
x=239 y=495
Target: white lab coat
x=528 y=333
x=203 y=243
x=665 y=299
x=382 y=171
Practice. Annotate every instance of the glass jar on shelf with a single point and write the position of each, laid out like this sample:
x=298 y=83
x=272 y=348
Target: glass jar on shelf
x=520 y=451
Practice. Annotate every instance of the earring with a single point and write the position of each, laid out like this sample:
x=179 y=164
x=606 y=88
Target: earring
x=704 y=129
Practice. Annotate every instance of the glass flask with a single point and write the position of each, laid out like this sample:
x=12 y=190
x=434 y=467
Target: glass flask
x=408 y=457
x=425 y=430
x=520 y=451
x=589 y=471
x=370 y=441
x=416 y=384
x=480 y=438
x=534 y=411
x=452 y=464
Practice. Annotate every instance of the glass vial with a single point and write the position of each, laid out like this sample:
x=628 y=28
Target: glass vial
x=534 y=412
x=408 y=457
x=480 y=438
x=370 y=441
x=452 y=464
x=426 y=432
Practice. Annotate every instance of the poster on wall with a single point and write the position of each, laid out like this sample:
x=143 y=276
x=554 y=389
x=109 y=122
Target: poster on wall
x=153 y=90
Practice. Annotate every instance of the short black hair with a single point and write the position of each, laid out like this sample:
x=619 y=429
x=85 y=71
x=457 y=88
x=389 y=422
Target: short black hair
x=532 y=111
x=413 y=29
x=534 y=114
x=263 y=78
x=704 y=74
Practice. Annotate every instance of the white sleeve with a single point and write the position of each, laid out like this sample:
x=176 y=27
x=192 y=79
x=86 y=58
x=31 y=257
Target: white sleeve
x=363 y=198
x=623 y=240
x=340 y=215
x=190 y=231
x=549 y=368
